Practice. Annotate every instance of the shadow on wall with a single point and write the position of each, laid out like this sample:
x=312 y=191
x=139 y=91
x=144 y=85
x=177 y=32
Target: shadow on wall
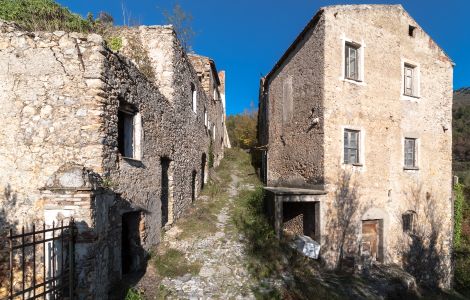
x=10 y=199
x=424 y=258
x=342 y=229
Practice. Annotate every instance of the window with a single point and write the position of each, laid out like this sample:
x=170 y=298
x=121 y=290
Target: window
x=194 y=95
x=216 y=93
x=409 y=220
x=129 y=132
x=351 y=59
x=410 y=153
x=205 y=117
x=213 y=132
x=351 y=146
x=409 y=80
x=411 y=31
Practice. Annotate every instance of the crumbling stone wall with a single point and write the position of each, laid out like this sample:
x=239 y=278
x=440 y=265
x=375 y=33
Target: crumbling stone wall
x=379 y=187
x=61 y=93
x=50 y=115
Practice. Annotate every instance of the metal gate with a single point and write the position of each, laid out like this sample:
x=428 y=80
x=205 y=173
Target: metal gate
x=41 y=262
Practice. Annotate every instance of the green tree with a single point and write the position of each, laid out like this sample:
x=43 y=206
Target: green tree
x=241 y=129
x=181 y=21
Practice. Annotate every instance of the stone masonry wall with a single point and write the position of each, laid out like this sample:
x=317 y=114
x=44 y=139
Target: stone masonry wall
x=379 y=187
x=49 y=113
x=376 y=106
x=295 y=146
x=61 y=93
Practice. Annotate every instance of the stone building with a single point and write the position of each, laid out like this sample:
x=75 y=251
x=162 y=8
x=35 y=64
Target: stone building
x=355 y=127
x=119 y=140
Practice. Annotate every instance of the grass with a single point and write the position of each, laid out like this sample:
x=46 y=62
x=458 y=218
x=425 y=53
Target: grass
x=132 y=294
x=462 y=249
x=173 y=263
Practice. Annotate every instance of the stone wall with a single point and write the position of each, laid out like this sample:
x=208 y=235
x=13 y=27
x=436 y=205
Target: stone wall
x=62 y=93
x=296 y=130
x=50 y=115
x=378 y=187
x=377 y=107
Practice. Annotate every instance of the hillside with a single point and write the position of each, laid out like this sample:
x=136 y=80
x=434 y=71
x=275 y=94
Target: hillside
x=461 y=134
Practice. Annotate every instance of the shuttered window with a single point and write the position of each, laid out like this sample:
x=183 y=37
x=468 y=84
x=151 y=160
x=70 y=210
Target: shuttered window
x=351 y=146
x=352 y=61
x=409 y=78
x=410 y=152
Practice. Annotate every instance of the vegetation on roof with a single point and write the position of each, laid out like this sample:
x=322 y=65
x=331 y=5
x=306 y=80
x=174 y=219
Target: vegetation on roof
x=43 y=15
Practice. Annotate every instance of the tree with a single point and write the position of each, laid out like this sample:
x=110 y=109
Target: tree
x=181 y=22
x=241 y=129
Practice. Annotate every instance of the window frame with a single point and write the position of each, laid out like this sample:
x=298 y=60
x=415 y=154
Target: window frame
x=347 y=61
x=348 y=148
x=409 y=222
x=415 y=80
x=414 y=166
x=194 y=98
x=129 y=112
x=360 y=48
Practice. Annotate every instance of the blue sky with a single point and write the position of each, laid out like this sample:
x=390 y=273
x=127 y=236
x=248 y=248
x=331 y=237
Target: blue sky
x=246 y=37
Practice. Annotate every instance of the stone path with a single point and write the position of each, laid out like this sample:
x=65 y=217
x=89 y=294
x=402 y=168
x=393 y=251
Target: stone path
x=223 y=274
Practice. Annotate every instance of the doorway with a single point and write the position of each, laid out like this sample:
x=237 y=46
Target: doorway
x=166 y=180
x=193 y=186
x=131 y=249
x=203 y=170
x=372 y=240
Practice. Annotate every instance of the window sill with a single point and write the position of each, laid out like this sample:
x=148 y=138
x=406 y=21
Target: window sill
x=354 y=165
x=354 y=81
x=411 y=168
x=409 y=97
x=132 y=161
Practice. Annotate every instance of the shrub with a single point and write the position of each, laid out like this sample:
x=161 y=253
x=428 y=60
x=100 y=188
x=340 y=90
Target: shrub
x=458 y=213
x=43 y=15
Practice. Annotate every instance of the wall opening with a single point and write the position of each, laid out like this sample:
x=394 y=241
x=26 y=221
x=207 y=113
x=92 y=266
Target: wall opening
x=132 y=253
x=299 y=218
x=203 y=170
x=193 y=186
x=166 y=191
x=411 y=30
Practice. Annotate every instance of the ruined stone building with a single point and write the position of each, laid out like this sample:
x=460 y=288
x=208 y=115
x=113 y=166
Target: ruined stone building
x=122 y=141
x=355 y=127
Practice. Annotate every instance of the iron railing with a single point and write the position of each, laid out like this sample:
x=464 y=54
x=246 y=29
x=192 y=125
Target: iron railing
x=41 y=262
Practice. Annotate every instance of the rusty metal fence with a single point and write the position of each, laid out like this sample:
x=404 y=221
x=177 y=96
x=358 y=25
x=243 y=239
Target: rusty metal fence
x=41 y=263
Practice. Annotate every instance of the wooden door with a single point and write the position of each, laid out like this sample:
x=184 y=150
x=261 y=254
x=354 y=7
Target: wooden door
x=370 y=239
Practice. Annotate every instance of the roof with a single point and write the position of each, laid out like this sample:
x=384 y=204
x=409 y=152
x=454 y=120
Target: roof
x=314 y=21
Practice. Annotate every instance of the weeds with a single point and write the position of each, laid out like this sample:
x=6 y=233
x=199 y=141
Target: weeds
x=173 y=263
x=133 y=294
x=44 y=15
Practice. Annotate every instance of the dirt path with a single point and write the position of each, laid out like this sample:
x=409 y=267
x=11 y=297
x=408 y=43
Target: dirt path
x=217 y=251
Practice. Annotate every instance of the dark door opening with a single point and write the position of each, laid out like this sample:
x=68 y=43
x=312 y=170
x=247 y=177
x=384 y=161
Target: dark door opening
x=193 y=186
x=165 y=195
x=131 y=250
x=203 y=170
